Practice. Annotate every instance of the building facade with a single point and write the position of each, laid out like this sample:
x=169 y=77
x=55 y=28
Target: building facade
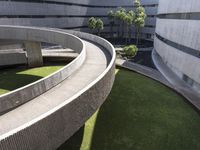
x=70 y=14
x=177 y=39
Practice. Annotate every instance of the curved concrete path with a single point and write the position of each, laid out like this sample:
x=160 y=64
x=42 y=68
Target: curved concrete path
x=90 y=70
x=49 y=119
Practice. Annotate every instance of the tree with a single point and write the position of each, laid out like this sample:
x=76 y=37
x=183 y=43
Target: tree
x=121 y=17
x=117 y=16
x=130 y=16
x=139 y=20
x=99 y=26
x=111 y=17
x=130 y=51
x=92 y=23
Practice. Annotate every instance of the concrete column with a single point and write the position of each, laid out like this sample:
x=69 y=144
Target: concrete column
x=34 y=53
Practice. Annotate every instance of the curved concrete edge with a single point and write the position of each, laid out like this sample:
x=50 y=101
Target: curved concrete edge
x=24 y=94
x=177 y=84
x=9 y=59
x=54 y=127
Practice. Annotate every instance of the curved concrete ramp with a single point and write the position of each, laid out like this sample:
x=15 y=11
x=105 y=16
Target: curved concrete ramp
x=49 y=119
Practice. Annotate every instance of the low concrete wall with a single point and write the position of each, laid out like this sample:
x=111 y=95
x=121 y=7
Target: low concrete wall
x=17 y=97
x=7 y=59
x=49 y=131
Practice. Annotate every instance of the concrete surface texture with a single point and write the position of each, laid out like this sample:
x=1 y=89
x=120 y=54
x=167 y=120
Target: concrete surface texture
x=48 y=120
x=69 y=14
x=8 y=58
x=181 y=56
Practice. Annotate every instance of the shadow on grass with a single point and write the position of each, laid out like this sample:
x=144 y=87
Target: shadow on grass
x=10 y=80
x=14 y=77
x=142 y=114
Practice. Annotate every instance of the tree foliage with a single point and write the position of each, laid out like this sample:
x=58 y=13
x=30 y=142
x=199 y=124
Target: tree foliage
x=130 y=51
x=111 y=17
x=94 y=23
x=99 y=25
x=140 y=17
x=126 y=19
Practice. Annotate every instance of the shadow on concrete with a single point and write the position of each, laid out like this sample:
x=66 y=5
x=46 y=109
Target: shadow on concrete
x=74 y=143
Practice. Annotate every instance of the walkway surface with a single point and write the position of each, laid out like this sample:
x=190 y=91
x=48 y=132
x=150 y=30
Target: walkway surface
x=96 y=62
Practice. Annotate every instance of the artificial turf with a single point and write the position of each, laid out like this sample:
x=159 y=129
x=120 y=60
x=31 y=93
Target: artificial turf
x=139 y=114
x=13 y=78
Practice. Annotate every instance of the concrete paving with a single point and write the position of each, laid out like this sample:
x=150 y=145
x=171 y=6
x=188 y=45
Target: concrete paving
x=95 y=64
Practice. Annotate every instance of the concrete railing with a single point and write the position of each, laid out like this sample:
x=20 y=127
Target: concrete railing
x=22 y=95
x=52 y=128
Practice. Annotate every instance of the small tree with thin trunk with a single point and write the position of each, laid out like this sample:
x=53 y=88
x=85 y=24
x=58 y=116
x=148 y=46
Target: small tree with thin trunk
x=111 y=17
x=130 y=16
x=117 y=16
x=99 y=26
x=92 y=23
x=122 y=17
x=140 y=17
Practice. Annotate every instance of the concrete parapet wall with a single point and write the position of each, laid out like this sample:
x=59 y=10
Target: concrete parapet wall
x=7 y=59
x=17 y=97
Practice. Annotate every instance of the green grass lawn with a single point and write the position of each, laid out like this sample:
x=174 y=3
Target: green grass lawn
x=139 y=114
x=13 y=78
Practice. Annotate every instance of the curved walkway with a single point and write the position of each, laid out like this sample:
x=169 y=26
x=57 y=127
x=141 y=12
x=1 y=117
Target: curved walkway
x=49 y=119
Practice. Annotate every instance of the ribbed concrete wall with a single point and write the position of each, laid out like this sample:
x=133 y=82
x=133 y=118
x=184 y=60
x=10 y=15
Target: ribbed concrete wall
x=178 y=38
x=69 y=14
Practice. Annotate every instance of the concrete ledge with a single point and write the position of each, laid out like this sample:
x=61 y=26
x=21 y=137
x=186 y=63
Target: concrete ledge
x=19 y=96
x=7 y=59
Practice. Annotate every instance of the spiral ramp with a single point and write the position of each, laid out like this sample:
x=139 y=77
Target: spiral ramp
x=44 y=114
